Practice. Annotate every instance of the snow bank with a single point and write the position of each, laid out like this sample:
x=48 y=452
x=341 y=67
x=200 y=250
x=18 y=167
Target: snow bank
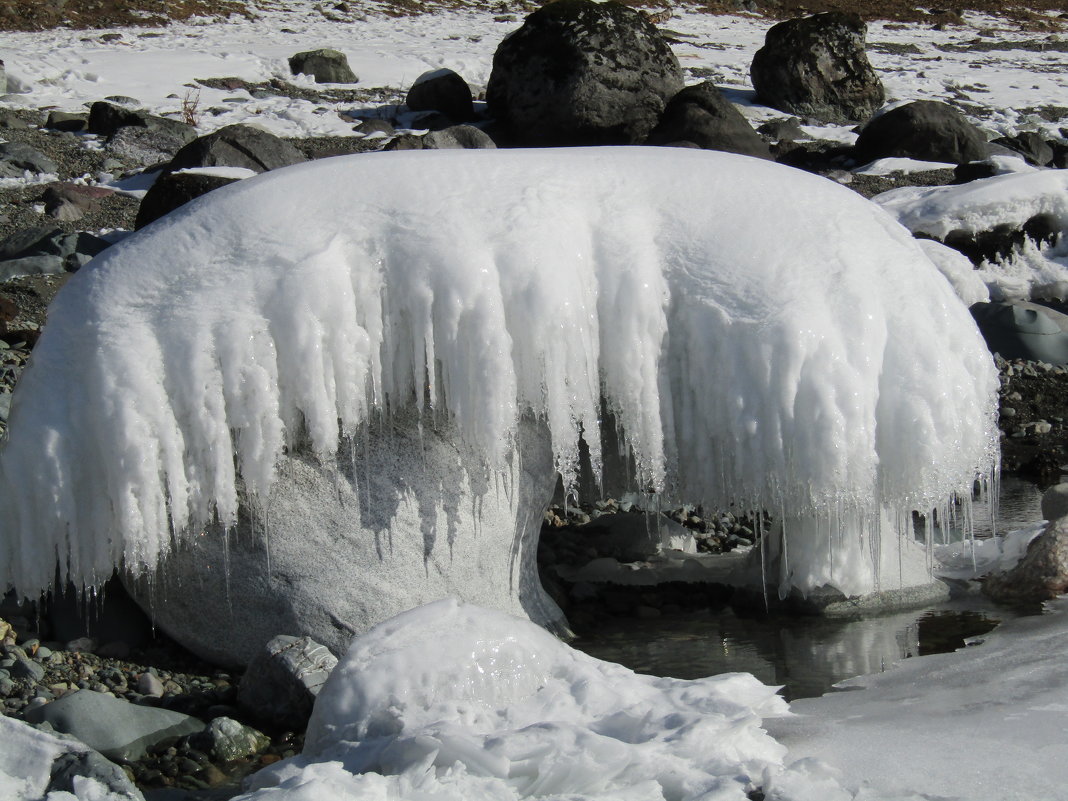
x=763 y=336
x=452 y=701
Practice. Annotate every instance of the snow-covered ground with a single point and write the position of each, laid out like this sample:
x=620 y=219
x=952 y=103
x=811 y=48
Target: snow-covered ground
x=981 y=724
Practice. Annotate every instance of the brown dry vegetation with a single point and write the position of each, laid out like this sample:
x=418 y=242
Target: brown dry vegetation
x=42 y=14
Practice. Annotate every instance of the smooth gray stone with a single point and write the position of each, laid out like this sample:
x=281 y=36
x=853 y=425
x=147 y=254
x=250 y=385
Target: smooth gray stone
x=119 y=730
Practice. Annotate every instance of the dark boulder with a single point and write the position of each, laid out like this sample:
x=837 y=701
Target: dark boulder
x=107 y=118
x=173 y=190
x=926 y=130
x=582 y=73
x=817 y=67
x=237 y=146
x=1030 y=145
x=324 y=65
x=444 y=91
x=702 y=115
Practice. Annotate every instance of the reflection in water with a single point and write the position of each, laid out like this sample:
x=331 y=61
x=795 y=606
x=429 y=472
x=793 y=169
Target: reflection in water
x=807 y=655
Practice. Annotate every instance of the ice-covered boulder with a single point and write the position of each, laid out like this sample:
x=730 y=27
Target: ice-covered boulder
x=762 y=336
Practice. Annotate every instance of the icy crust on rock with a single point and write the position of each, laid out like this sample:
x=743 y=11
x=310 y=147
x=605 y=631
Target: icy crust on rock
x=1032 y=271
x=453 y=701
x=763 y=336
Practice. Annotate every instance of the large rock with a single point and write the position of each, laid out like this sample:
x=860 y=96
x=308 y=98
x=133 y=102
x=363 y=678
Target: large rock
x=237 y=146
x=17 y=158
x=445 y=91
x=1041 y=575
x=1019 y=330
x=580 y=72
x=817 y=67
x=702 y=115
x=926 y=130
x=320 y=561
x=282 y=680
x=105 y=119
x=175 y=189
x=117 y=729
x=325 y=65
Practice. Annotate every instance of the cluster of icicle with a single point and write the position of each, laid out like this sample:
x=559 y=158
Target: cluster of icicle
x=763 y=337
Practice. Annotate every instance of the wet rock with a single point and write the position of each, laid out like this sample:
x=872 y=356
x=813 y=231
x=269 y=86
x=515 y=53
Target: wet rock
x=282 y=681
x=702 y=115
x=1019 y=330
x=226 y=740
x=1055 y=502
x=924 y=130
x=818 y=67
x=442 y=90
x=324 y=65
x=116 y=728
x=1041 y=575
x=582 y=73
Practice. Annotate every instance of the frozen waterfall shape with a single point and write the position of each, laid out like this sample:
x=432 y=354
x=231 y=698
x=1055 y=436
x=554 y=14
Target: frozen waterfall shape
x=298 y=399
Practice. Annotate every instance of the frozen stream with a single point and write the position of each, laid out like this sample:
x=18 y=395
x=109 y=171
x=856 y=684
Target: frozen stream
x=808 y=655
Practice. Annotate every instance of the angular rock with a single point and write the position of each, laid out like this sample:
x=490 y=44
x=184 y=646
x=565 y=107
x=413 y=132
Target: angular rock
x=442 y=90
x=66 y=121
x=283 y=679
x=105 y=119
x=237 y=146
x=1041 y=575
x=119 y=730
x=24 y=667
x=926 y=130
x=582 y=73
x=325 y=65
x=1030 y=145
x=226 y=740
x=69 y=202
x=375 y=126
x=18 y=157
x=10 y=119
x=702 y=115
x=173 y=190
x=817 y=67
x=146 y=147
x=466 y=137
x=31 y=265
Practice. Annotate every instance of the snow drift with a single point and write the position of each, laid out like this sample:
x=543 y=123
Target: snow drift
x=762 y=336
x=452 y=701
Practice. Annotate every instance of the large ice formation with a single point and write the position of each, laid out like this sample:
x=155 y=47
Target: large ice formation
x=762 y=336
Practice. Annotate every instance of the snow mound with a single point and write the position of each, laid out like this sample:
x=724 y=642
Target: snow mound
x=762 y=336
x=450 y=700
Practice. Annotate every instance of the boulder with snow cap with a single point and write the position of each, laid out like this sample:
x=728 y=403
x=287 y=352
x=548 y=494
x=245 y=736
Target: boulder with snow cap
x=580 y=72
x=442 y=90
x=324 y=65
x=925 y=130
x=1041 y=575
x=702 y=115
x=817 y=67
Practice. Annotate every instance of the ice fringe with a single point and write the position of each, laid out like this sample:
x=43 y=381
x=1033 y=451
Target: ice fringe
x=763 y=336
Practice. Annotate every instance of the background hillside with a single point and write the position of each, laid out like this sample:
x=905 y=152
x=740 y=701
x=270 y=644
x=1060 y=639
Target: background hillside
x=42 y=14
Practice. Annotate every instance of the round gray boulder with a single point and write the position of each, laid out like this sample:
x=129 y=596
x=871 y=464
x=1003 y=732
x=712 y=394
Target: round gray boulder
x=702 y=115
x=926 y=130
x=817 y=67
x=582 y=73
